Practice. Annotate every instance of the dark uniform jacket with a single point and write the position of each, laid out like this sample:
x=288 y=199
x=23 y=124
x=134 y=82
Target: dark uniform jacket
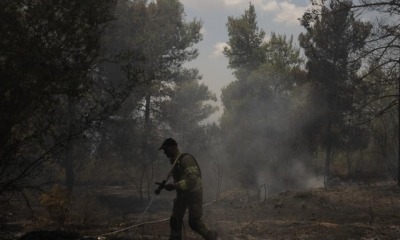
x=186 y=173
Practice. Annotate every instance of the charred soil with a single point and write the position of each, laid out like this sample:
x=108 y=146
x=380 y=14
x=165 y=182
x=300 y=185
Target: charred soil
x=351 y=211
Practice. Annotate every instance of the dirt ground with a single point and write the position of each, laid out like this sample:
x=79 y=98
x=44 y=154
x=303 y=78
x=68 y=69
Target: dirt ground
x=351 y=211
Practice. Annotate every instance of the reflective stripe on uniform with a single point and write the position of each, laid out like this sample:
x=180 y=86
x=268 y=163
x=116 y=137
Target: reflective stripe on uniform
x=191 y=170
x=183 y=185
x=189 y=175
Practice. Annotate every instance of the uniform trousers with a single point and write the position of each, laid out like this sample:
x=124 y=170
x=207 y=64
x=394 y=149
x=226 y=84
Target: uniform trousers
x=193 y=201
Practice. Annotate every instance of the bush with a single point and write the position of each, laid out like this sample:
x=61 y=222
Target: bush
x=57 y=202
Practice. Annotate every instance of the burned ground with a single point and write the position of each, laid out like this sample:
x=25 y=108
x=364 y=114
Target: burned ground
x=351 y=211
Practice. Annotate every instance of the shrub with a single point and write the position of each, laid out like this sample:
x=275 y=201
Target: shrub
x=57 y=202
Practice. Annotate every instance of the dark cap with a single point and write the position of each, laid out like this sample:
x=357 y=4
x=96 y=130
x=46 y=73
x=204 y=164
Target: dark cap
x=168 y=142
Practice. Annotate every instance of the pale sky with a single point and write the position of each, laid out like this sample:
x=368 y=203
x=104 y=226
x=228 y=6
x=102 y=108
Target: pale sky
x=279 y=16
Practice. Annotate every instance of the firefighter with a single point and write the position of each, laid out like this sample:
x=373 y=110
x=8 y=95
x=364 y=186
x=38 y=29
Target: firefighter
x=189 y=192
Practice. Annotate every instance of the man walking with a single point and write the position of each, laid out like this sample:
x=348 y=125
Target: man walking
x=189 y=192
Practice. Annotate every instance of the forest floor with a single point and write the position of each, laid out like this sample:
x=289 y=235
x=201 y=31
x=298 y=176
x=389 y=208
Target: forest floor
x=351 y=211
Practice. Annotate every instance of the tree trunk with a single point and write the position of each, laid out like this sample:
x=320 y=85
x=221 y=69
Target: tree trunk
x=69 y=163
x=145 y=143
x=69 y=166
x=147 y=113
x=398 y=130
x=141 y=186
x=348 y=158
x=328 y=152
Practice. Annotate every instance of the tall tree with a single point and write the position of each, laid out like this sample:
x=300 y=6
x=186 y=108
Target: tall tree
x=188 y=107
x=48 y=55
x=282 y=52
x=331 y=40
x=384 y=47
x=167 y=41
x=256 y=105
x=245 y=52
x=376 y=92
x=154 y=37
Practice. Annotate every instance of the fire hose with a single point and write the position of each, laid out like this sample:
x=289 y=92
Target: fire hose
x=223 y=196
x=157 y=192
x=161 y=185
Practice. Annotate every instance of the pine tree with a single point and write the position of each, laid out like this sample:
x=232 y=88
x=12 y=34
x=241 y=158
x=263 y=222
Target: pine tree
x=332 y=38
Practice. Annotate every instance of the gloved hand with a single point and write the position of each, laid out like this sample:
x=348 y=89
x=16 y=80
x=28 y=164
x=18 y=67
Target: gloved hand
x=170 y=187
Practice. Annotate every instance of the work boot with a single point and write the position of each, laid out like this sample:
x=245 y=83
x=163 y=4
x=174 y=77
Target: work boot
x=175 y=236
x=214 y=235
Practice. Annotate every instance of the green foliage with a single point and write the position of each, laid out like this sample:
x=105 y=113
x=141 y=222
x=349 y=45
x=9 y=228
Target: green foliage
x=282 y=53
x=329 y=43
x=257 y=123
x=332 y=40
x=154 y=38
x=374 y=93
x=188 y=107
x=246 y=51
x=48 y=55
